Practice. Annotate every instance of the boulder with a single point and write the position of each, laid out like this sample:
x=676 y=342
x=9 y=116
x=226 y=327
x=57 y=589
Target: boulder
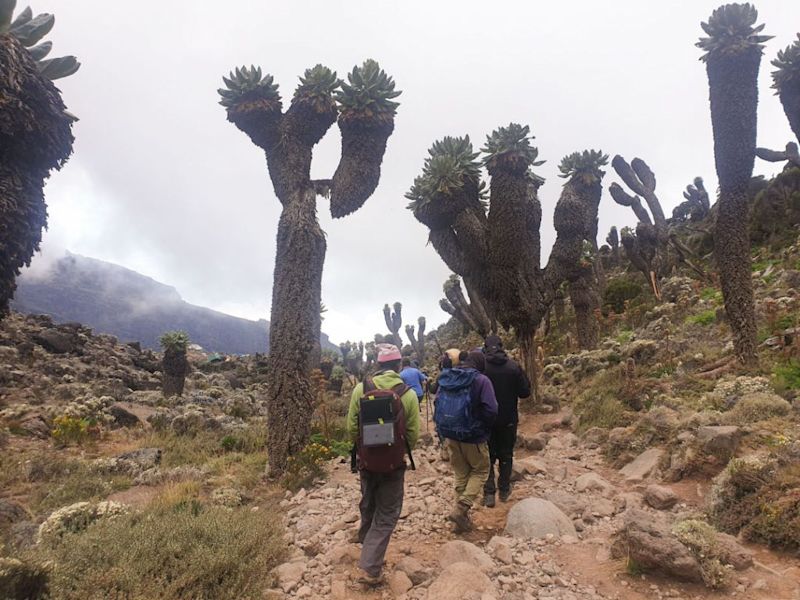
x=643 y=466
x=572 y=504
x=526 y=466
x=56 y=342
x=719 y=440
x=122 y=416
x=733 y=553
x=459 y=551
x=536 y=518
x=399 y=583
x=537 y=441
x=35 y=426
x=647 y=541
x=459 y=581
x=592 y=482
x=414 y=569
x=660 y=497
x=289 y=575
x=11 y=512
x=143 y=458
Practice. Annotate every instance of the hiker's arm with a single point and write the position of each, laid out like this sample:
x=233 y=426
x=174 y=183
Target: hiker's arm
x=352 y=413
x=523 y=384
x=411 y=409
x=488 y=401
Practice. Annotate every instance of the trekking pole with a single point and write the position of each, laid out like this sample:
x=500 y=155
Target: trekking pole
x=427 y=410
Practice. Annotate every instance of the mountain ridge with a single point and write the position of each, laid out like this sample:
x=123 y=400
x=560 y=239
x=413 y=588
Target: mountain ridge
x=113 y=299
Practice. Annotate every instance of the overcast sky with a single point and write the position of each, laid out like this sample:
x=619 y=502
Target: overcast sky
x=161 y=183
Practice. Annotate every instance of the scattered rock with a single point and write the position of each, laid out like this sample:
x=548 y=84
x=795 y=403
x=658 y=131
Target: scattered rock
x=11 y=512
x=413 y=569
x=643 y=466
x=399 y=583
x=646 y=540
x=289 y=575
x=719 y=440
x=458 y=581
x=593 y=482
x=122 y=416
x=536 y=518
x=55 y=341
x=459 y=551
x=660 y=497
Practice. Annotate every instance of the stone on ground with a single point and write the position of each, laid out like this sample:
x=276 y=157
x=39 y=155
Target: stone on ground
x=660 y=497
x=413 y=568
x=719 y=440
x=536 y=518
x=458 y=581
x=593 y=482
x=643 y=466
x=459 y=551
x=290 y=575
x=647 y=541
x=399 y=583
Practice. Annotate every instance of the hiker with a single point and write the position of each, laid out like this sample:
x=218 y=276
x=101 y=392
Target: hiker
x=448 y=360
x=510 y=383
x=383 y=421
x=413 y=378
x=464 y=413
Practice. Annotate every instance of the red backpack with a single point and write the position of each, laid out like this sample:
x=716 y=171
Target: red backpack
x=382 y=444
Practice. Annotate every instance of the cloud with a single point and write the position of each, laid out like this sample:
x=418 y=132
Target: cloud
x=161 y=183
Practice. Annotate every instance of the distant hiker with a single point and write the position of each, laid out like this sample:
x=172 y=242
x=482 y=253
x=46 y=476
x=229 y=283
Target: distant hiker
x=383 y=420
x=510 y=383
x=464 y=413
x=413 y=378
x=448 y=360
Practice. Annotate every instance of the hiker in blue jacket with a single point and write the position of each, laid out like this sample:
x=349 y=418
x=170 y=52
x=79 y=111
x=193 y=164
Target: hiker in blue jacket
x=465 y=411
x=413 y=378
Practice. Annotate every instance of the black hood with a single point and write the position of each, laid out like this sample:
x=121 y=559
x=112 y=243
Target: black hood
x=496 y=356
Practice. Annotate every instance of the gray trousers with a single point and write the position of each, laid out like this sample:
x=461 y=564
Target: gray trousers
x=381 y=505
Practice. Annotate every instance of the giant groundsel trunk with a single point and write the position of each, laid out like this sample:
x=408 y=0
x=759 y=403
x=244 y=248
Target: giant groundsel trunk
x=497 y=252
x=365 y=111
x=35 y=137
x=733 y=55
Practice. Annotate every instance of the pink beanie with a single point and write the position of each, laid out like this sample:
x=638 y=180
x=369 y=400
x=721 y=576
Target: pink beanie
x=388 y=353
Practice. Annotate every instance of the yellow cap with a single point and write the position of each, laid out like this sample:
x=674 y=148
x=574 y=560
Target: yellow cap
x=453 y=353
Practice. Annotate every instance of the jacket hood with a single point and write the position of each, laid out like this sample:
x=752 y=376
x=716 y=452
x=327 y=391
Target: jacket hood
x=386 y=379
x=457 y=378
x=496 y=356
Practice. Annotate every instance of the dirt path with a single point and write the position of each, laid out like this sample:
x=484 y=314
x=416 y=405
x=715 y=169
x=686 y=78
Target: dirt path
x=324 y=562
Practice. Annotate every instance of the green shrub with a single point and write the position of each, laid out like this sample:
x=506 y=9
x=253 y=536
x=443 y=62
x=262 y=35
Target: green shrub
x=175 y=341
x=701 y=539
x=303 y=468
x=72 y=430
x=711 y=293
x=603 y=411
x=77 y=482
x=618 y=292
x=787 y=375
x=190 y=551
x=707 y=317
x=755 y=407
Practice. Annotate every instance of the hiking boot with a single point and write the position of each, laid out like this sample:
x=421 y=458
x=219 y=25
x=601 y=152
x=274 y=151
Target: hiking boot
x=460 y=518
x=505 y=495
x=355 y=538
x=369 y=581
x=488 y=500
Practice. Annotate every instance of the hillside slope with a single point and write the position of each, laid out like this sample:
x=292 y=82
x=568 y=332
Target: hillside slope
x=112 y=299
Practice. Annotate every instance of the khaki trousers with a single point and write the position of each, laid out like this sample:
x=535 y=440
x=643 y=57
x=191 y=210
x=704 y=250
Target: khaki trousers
x=470 y=467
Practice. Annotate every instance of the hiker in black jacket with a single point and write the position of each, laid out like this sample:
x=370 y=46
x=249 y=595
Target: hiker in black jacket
x=510 y=383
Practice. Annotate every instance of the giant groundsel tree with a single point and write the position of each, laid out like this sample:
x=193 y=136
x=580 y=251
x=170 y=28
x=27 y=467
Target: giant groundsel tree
x=493 y=242
x=35 y=136
x=364 y=109
x=732 y=54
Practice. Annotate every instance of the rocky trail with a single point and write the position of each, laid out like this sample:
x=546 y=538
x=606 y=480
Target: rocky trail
x=558 y=547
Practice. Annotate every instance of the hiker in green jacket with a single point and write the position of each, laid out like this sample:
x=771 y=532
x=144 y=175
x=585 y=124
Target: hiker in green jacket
x=382 y=468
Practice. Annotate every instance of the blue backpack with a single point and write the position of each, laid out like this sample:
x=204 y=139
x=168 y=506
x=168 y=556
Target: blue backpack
x=455 y=414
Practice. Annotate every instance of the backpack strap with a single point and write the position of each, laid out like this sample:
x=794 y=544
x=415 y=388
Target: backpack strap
x=400 y=390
